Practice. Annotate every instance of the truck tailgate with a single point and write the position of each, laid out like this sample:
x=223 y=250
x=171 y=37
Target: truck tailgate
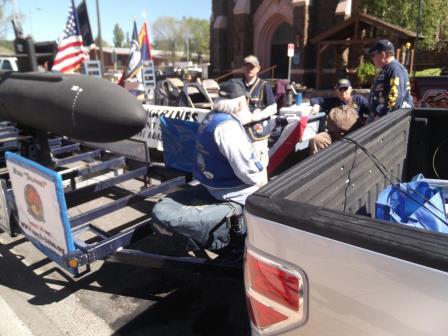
x=353 y=290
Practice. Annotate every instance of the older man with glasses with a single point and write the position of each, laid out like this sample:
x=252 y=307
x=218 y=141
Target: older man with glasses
x=391 y=89
x=353 y=108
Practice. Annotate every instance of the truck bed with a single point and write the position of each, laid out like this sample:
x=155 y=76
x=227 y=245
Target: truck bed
x=365 y=276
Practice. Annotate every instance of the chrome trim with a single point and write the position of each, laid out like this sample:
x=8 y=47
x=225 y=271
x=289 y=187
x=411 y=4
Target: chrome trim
x=295 y=319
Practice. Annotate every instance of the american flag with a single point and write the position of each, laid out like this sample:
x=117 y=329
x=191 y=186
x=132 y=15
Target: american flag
x=71 y=52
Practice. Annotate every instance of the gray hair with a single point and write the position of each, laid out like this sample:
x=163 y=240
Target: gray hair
x=230 y=106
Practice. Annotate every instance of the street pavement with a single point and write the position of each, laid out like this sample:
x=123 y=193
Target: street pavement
x=38 y=298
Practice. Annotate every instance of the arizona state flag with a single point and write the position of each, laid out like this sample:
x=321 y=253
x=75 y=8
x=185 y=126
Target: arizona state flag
x=145 y=44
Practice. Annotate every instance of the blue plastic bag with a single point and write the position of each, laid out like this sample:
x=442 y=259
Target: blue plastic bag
x=415 y=203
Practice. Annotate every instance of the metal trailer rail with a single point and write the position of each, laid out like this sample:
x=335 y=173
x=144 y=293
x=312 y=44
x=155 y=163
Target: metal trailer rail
x=113 y=247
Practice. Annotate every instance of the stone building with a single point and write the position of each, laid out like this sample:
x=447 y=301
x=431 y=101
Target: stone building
x=265 y=27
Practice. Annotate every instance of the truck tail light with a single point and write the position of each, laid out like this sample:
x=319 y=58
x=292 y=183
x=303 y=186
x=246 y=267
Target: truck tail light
x=276 y=293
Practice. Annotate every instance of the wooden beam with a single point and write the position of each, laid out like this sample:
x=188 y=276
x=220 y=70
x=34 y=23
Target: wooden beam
x=319 y=52
x=398 y=54
x=349 y=42
x=411 y=62
x=323 y=48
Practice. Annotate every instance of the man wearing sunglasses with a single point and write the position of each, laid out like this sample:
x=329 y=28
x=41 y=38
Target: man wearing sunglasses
x=352 y=108
x=344 y=96
x=391 y=88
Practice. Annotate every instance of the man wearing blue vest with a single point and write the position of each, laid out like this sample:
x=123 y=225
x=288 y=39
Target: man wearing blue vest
x=226 y=163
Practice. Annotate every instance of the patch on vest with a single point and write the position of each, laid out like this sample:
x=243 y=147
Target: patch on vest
x=208 y=174
x=258 y=129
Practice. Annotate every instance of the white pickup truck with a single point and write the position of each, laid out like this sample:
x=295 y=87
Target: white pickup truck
x=319 y=263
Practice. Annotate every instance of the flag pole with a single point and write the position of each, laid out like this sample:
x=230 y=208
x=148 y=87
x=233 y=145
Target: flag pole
x=100 y=41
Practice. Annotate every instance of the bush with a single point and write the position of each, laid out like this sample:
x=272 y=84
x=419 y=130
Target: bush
x=365 y=74
x=428 y=72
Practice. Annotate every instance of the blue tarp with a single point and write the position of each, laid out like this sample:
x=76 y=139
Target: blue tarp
x=179 y=143
x=415 y=203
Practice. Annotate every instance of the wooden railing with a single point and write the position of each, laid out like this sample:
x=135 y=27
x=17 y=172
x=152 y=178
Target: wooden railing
x=227 y=75
x=271 y=68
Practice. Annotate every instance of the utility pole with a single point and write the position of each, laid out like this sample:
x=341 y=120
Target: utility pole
x=100 y=40
x=419 y=16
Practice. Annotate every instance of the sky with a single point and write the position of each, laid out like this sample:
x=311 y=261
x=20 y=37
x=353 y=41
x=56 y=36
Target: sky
x=45 y=19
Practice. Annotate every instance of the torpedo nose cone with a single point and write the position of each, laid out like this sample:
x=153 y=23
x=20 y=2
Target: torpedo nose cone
x=82 y=107
x=110 y=112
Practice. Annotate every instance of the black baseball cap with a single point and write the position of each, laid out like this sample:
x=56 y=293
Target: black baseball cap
x=382 y=45
x=231 y=89
x=343 y=83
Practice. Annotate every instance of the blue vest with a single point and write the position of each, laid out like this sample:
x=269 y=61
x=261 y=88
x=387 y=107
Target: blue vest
x=211 y=168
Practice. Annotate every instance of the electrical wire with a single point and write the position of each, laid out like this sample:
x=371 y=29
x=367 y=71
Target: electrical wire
x=385 y=172
x=434 y=156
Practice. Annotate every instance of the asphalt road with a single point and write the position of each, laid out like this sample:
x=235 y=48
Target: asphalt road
x=38 y=298
x=114 y=299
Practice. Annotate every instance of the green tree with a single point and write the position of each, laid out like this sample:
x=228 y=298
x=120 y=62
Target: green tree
x=433 y=23
x=190 y=35
x=103 y=42
x=127 y=41
x=166 y=34
x=118 y=36
x=7 y=13
x=196 y=35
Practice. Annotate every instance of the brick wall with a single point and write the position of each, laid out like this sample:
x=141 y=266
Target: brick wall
x=325 y=10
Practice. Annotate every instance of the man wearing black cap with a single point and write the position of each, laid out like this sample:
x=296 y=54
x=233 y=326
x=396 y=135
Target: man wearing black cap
x=391 y=88
x=344 y=96
x=355 y=110
x=226 y=162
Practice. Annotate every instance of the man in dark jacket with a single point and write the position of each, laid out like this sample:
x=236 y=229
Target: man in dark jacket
x=391 y=89
x=352 y=108
x=344 y=96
